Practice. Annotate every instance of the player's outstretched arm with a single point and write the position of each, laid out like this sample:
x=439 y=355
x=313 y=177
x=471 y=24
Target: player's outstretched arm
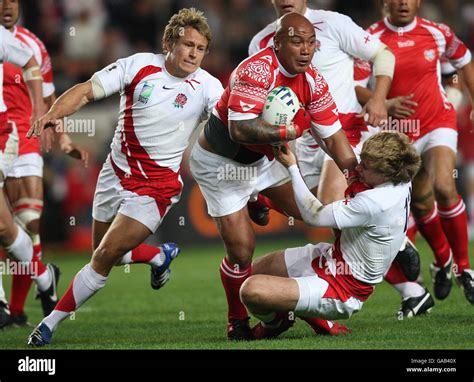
x=311 y=209
x=34 y=82
x=258 y=131
x=341 y=151
x=69 y=103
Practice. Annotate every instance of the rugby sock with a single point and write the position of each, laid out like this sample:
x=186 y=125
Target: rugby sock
x=232 y=278
x=412 y=228
x=144 y=253
x=399 y=281
x=21 y=284
x=322 y=326
x=432 y=230
x=263 y=201
x=22 y=250
x=454 y=223
x=84 y=285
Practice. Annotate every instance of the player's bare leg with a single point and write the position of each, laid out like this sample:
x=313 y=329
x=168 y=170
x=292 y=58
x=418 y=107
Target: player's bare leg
x=123 y=235
x=440 y=162
x=25 y=195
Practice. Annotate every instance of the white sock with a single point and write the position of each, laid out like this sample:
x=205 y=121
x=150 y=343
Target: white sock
x=44 y=280
x=409 y=289
x=22 y=248
x=86 y=283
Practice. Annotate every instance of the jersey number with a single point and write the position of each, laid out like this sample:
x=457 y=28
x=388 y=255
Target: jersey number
x=407 y=209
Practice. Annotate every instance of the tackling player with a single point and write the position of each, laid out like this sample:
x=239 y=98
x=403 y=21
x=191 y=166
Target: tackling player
x=163 y=100
x=236 y=136
x=333 y=281
x=24 y=183
x=419 y=46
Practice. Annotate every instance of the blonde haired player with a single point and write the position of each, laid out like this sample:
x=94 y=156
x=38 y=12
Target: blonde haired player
x=332 y=281
x=163 y=100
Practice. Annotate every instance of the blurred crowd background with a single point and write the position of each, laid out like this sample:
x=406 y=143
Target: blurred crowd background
x=83 y=36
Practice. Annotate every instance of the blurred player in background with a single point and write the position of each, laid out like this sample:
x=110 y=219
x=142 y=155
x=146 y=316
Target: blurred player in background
x=24 y=183
x=163 y=100
x=333 y=281
x=419 y=46
x=236 y=135
x=13 y=238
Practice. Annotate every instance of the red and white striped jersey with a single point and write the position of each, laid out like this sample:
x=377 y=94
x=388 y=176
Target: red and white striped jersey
x=13 y=51
x=419 y=48
x=158 y=113
x=17 y=97
x=339 y=40
x=256 y=76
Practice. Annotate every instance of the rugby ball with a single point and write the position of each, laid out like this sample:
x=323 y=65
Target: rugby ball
x=281 y=106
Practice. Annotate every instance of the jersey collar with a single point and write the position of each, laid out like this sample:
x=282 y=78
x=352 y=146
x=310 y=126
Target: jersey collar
x=405 y=29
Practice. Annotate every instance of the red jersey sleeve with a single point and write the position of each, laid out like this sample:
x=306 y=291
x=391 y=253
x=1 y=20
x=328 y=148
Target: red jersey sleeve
x=250 y=84
x=456 y=50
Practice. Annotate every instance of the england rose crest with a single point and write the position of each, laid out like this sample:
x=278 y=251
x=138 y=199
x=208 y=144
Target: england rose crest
x=180 y=101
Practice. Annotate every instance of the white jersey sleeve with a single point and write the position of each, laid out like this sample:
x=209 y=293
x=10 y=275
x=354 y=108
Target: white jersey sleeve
x=113 y=78
x=355 y=212
x=353 y=39
x=13 y=50
x=214 y=92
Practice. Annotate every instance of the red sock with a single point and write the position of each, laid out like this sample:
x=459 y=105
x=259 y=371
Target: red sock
x=232 y=279
x=263 y=201
x=395 y=275
x=431 y=229
x=144 y=253
x=21 y=284
x=412 y=229
x=454 y=223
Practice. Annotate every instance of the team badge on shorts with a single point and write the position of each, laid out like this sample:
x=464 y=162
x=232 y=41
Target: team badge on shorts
x=180 y=101
x=430 y=55
x=145 y=94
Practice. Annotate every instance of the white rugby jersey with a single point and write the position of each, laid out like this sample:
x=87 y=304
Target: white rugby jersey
x=338 y=40
x=13 y=51
x=158 y=113
x=373 y=226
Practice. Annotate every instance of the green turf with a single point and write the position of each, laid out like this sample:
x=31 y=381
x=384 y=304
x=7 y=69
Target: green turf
x=190 y=313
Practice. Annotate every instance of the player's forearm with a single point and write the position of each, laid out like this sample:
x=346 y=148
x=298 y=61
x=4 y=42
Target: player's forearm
x=257 y=131
x=311 y=209
x=363 y=94
x=382 y=87
x=72 y=100
x=467 y=72
x=49 y=101
x=341 y=151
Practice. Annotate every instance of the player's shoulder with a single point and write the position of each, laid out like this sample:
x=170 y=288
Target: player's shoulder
x=207 y=79
x=443 y=28
x=315 y=79
x=138 y=61
x=330 y=17
x=385 y=196
x=260 y=40
x=377 y=27
x=258 y=69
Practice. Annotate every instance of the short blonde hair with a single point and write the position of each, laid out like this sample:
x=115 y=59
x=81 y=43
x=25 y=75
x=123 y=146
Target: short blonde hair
x=186 y=17
x=392 y=155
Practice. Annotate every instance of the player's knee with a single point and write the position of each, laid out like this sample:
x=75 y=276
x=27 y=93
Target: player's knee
x=6 y=233
x=241 y=254
x=251 y=291
x=421 y=208
x=29 y=217
x=445 y=191
x=107 y=253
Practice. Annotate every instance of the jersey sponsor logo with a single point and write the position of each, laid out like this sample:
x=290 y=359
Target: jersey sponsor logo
x=430 y=55
x=145 y=93
x=406 y=44
x=246 y=106
x=167 y=88
x=113 y=67
x=367 y=39
x=180 y=101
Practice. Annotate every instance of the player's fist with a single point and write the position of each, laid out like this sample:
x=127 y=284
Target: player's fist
x=301 y=122
x=284 y=155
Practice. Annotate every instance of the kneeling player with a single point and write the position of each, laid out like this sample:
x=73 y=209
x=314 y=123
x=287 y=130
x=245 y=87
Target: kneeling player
x=332 y=281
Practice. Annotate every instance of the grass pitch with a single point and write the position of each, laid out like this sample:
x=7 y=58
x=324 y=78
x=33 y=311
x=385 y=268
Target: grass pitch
x=190 y=312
